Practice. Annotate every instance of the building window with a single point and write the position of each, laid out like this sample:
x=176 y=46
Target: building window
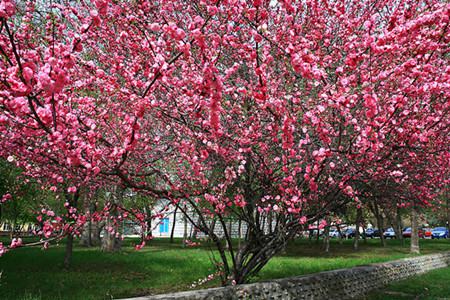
x=164 y=226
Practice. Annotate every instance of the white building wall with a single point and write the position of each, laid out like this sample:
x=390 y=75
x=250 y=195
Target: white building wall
x=158 y=231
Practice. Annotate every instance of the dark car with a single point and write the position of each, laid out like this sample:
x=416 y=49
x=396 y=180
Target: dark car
x=372 y=233
x=439 y=233
x=407 y=232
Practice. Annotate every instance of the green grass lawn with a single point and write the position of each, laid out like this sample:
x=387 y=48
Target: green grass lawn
x=31 y=273
x=433 y=285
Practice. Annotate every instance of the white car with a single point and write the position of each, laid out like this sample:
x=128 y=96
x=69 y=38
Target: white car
x=390 y=233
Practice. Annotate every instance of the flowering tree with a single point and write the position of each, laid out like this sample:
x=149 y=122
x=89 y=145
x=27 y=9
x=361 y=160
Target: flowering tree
x=269 y=112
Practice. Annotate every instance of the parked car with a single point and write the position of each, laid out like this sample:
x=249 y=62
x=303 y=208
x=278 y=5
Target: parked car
x=407 y=232
x=334 y=233
x=349 y=233
x=390 y=233
x=439 y=233
x=372 y=233
x=427 y=232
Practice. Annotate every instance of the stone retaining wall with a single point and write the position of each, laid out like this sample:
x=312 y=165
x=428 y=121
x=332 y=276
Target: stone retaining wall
x=337 y=284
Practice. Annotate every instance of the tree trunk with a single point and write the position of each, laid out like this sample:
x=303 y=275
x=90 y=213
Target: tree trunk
x=380 y=224
x=86 y=235
x=326 y=239
x=185 y=228
x=399 y=225
x=269 y=221
x=230 y=232
x=364 y=234
x=69 y=245
x=358 y=223
x=341 y=237
x=111 y=242
x=415 y=248
x=89 y=241
x=173 y=223
x=240 y=233
x=318 y=232
x=97 y=233
x=95 y=229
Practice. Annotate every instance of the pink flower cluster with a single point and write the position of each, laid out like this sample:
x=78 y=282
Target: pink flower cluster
x=16 y=242
x=3 y=249
x=140 y=246
x=6 y=197
x=190 y=243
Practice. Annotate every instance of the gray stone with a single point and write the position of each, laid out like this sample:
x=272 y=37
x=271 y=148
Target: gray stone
x=337 y=284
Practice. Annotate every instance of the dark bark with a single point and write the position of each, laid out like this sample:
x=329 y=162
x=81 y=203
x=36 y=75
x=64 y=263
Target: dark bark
x=341 y=237
x=89 y=241
x=230 y=232
x=173 y=224
x=240 y=234
x=185 y=227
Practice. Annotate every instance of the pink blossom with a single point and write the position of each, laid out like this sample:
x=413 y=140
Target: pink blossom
x=7 y=9
x=16 y=242
x=139 y=246
x=322 y=224
x=6 y=197
x=155 y=27
x=102 y=6
x=72 y=189
x=239 y=201
x=3 y=249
